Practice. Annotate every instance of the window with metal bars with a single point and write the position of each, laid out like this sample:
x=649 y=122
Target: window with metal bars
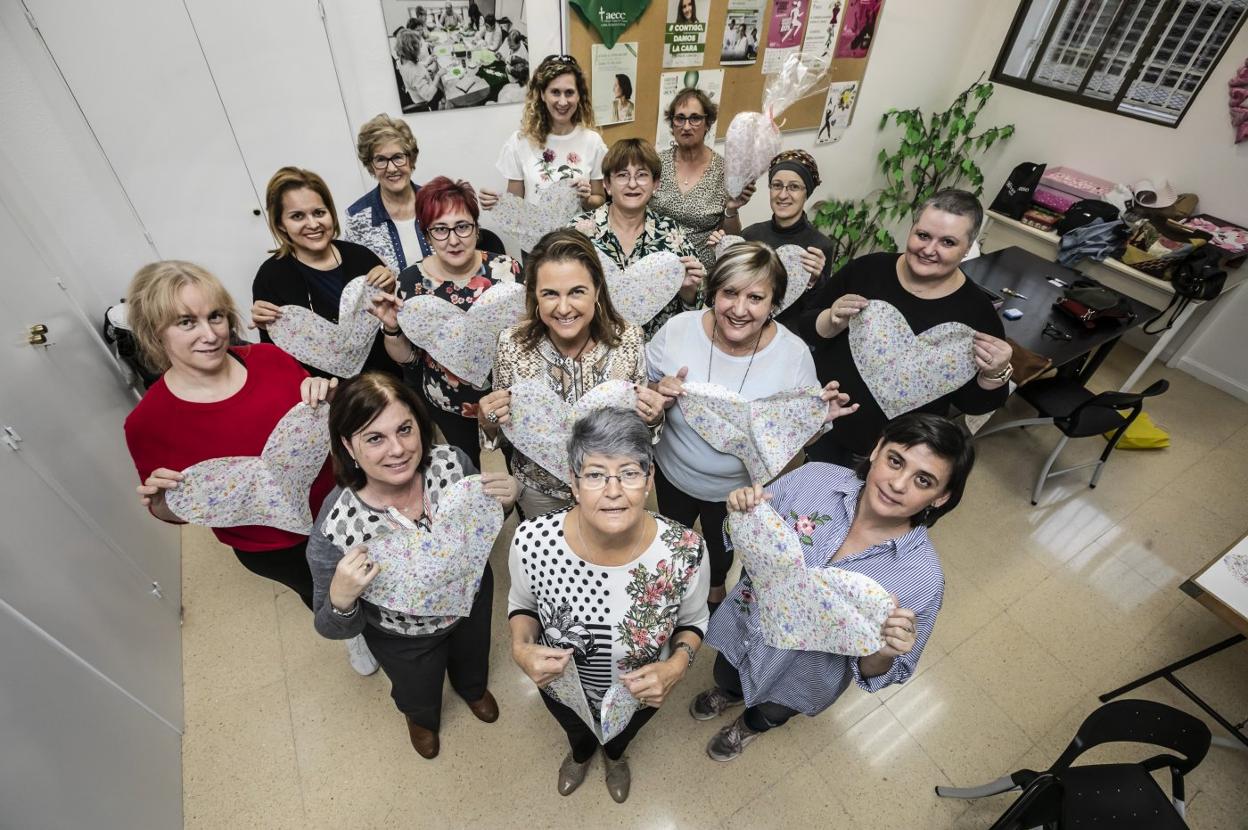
x=1145 y=59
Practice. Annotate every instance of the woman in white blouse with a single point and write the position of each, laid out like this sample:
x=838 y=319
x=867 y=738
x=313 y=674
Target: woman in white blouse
x=609 y=591
x=735 y=343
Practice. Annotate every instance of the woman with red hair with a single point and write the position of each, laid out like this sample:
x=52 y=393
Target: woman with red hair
x=459 y=273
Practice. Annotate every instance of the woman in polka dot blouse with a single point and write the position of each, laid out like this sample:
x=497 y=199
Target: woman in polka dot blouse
x=608 y=593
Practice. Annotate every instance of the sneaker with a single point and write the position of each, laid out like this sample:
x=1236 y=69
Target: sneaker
x=362 y=660
x=730 y=741
x=712 y=703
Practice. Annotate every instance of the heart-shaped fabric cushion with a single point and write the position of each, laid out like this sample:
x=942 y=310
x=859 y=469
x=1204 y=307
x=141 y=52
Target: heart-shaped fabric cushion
x=464 y=342
x=528 y=220
x=753 y=140
x=270 y=490
x=642 y=290
x=541 y=422
x=765 y=433
x=790 y=256
x=338 y=348
x=808 y=609
x=618 y=704
x=903 y=370
x=437 y=572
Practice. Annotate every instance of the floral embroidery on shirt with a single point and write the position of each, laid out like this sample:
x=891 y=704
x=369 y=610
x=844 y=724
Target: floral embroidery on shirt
x=569 y=170
x=657 y=597
x=805 y=525
x=745 y=598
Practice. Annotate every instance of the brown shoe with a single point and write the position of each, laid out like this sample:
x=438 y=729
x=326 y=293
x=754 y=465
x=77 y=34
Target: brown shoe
x=619 y=778
x=571 y=774
x=424 y=741
x=486 y=709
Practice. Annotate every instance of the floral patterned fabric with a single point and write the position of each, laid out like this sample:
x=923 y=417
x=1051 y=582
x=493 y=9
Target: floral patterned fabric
x=616 y=619
x=660 y=233
x=701 y=209
x=442 y=388
x=577 y=155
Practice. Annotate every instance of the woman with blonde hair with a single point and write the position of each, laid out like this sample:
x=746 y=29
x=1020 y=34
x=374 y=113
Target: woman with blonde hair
x=557 y=140
x=310 y=266
x=384 y=219
x=216 y=400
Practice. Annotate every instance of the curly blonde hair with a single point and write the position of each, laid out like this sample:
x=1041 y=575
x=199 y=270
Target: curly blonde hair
x=152 y=305
x=535 y=122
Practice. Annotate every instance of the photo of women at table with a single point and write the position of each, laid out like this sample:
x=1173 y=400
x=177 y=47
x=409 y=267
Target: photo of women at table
x=452 y=54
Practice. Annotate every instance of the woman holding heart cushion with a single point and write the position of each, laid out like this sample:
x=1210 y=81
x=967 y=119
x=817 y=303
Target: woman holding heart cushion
x=215 y=400
x=608 y=590
x=872 y=521
x=627 y=229
x=737 y=344
x=390 y=478
x=310 y=266
x=927 y=287
x=459 y=273
x=572 y=339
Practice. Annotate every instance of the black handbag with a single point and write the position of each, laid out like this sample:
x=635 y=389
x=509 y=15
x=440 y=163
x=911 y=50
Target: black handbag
x=1195 y=279
x=1085 y=212
x=1014 y=198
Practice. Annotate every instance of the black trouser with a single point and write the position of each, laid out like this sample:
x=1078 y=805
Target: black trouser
x=416 y=666
x=581 y=737
x=289 y=566
x=760 y=717
x=679 y=506
x=460 y=432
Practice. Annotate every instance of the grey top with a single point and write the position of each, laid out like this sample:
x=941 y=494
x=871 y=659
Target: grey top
x=344 y=522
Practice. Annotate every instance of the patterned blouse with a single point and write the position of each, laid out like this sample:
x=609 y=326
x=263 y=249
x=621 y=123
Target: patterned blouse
x=821 y=500
x=569 y=379
x=442 y=388
x=701 y=210
x=616 y=619
x=660 y=233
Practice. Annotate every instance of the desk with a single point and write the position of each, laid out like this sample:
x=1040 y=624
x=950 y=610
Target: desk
x=1029 y=274
x=1001 y=231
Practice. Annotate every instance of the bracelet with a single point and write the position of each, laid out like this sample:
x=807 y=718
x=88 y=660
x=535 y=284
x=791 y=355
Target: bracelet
x=1001 y=376
x=732 y=215
x=394 y=332
x=688 y=650
x=355 y=607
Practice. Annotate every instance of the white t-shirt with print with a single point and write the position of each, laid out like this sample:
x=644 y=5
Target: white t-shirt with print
x=577 y=155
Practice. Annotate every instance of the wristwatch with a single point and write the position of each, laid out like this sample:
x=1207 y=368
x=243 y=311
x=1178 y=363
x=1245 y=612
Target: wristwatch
x=1003 y=375
x=688 y=650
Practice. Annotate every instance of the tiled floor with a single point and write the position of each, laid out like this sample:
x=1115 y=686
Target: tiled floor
x=1045 y=607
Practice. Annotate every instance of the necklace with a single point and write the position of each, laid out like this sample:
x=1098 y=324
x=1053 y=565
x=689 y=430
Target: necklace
x=711 y=356
x=307 y=289
x=580 y=531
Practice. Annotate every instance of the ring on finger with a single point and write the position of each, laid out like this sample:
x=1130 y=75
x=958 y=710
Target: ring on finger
x=492 y=416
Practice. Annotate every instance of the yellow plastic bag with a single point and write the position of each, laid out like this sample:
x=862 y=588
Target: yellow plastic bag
x=1143 y=434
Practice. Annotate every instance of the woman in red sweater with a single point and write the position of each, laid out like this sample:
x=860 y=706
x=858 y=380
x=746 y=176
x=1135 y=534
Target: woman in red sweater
x=215 y=400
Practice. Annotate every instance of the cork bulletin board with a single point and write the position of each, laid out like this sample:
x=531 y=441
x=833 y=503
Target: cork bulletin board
x=743 y=85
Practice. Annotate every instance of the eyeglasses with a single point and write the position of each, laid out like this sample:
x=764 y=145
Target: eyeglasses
x=794 y=188
x=399 y=160
x=443 y=232
x=692 y=120
x=623 y=177
x=632 y=478
x=1053 y=331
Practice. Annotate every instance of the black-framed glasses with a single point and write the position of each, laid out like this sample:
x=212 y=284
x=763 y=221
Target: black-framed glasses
x=443 y=232
x=632 y=478
x=692 y=120
x=1053 y=331
x=399 y=160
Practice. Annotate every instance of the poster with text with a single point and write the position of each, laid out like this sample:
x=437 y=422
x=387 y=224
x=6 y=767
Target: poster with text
x=741 y=29
x=838 y=109
x=784 y=36
x=821 y=26
x=858 y=30
x=446 y=54
x=614 y=83
x=710 y=81
x=684 y=37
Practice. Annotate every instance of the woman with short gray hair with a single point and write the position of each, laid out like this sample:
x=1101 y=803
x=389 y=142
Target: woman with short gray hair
x=609 y=587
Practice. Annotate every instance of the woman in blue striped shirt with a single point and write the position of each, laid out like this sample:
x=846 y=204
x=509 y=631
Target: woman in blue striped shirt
x=872 y=520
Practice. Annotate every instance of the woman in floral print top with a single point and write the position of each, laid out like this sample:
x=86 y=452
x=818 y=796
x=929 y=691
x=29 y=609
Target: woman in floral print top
x=609 y=591
x=626 y=229
x=458 y=273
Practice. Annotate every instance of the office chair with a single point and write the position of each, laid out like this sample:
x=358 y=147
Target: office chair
x=1106 y=796
x=1078 y=413
x=489 y=241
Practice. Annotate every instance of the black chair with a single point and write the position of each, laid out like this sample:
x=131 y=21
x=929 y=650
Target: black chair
x=1106 y=796
x=489 y=241
x=1068 y=405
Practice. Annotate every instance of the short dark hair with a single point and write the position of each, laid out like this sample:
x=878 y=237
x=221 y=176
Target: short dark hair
x=626 y=84
x=631 y=152
x=944 y=438
x=708 y=106
x=959 y=203
x=356 y=405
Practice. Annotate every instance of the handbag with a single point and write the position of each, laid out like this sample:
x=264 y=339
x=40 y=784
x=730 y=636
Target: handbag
x=1092 y=304
x=1016 y=194
x=1195 y=279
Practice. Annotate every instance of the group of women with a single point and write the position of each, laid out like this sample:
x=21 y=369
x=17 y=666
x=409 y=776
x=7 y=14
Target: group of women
x=624 y=595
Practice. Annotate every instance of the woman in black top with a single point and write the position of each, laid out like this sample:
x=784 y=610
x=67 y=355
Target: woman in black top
x=927 y=286
x=310 y=265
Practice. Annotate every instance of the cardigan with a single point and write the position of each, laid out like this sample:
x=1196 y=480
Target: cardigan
x=369 y=224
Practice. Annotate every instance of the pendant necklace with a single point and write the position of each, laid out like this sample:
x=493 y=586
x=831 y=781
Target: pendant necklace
x=711 y=356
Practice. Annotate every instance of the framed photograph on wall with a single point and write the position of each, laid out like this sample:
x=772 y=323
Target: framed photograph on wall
x=614 y=83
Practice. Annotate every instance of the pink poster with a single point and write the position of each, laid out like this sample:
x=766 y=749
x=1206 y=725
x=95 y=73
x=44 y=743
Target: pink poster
x=784 y=38
x=858 y=30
